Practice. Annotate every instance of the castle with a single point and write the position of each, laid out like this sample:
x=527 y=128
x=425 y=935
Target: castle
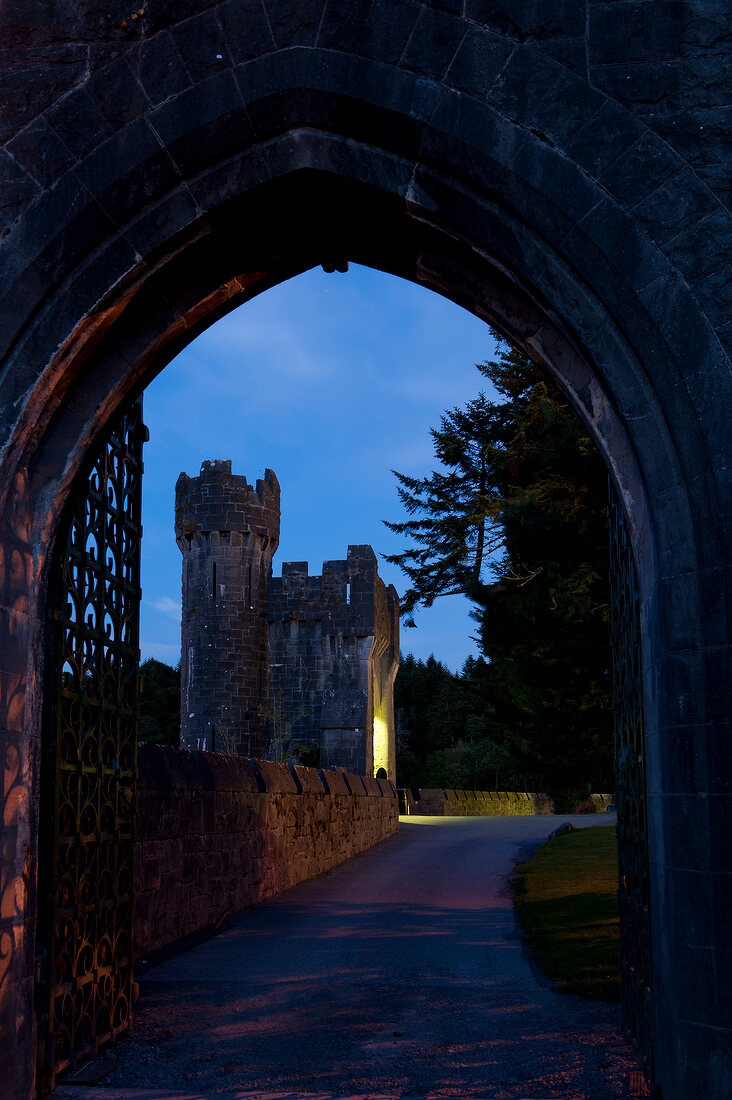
x=268 y=660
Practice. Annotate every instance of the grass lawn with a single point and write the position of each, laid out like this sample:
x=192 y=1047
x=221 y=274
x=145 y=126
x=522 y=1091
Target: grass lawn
x=566 y=899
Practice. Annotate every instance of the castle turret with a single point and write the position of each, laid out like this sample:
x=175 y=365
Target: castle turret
x=228 y=532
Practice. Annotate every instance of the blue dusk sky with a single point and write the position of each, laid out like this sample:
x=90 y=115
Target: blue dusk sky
x=332 y=381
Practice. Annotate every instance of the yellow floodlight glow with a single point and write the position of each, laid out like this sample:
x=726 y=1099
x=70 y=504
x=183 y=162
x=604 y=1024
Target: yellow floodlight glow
x=381 y=744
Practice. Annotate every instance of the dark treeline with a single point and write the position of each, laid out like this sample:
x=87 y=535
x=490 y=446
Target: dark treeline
x=514 y=518
x=454 y=730
x=159 y=703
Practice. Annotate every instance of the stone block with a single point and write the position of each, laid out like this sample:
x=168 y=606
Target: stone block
x=160 y=70
x=201 y=45
x=334 y=782
x=378 y=30
x=233 y=773
x=78 y=122
x=246 y=29
x=215 y=106
x=633 y=33
x=355 y=783
x=308 y=780
x=478 y=62
x=433 y=43
x=295 y=24
x=276 y=777
x=116 y=93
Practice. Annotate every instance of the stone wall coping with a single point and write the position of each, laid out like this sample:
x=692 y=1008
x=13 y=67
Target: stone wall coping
x=276 y=777
x=371 y=785
x=162 y=767
x=356 y=783
x=307 y=780
x=334 y=781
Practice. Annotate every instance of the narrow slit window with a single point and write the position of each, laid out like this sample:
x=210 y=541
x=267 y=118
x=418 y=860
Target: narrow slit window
x=348 y=592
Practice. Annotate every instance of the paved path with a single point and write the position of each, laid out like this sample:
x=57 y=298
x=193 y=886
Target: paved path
x=398 y=974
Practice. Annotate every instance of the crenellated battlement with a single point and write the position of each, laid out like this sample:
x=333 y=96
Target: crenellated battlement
x=344 y=593
x=340 y=631
x=220 y=503
x=315 y=655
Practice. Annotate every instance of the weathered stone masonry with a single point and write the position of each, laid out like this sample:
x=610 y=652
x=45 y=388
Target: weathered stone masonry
x=266 y=659
x=227 y=532
x=216 y=834
x=436 y=802
x=334 y=655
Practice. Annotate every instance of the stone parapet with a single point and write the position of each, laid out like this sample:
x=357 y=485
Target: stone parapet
x=437 y=802
x=216 y=834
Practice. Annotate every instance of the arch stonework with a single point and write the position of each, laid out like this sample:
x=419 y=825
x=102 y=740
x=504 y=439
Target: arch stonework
x=565 y=177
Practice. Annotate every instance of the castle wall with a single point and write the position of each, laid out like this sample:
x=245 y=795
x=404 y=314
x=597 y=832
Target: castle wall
x=216 y=834
x=227 y=532
x=264 y=659
x=334 y=653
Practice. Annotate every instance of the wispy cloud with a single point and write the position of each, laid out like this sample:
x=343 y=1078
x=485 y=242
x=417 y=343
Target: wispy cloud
x=245 y=338
x=166 y=606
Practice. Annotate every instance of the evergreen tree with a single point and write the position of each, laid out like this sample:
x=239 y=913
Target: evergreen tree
x=159 y=703
x=524 y=484
x=455 y=528
x=544 y=620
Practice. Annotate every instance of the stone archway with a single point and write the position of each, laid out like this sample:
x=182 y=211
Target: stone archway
x=162 y=170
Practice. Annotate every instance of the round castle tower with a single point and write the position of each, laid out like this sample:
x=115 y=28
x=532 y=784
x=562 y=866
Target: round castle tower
x=228 y=533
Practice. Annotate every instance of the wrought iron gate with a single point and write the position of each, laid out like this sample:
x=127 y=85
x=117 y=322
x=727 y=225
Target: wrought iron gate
x=630 y=791
x=89 y=761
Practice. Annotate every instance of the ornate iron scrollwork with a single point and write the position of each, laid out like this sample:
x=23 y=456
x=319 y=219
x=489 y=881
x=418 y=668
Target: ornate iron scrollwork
x=89 y=760
x=630 y=792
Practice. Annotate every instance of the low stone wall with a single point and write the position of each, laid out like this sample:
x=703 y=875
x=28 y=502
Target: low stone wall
x=427 y=802
x=594 y=804
x=216 y=834
x=435 y=802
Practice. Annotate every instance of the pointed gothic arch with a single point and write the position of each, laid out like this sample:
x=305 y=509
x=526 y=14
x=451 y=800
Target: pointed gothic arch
x=450 y=151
